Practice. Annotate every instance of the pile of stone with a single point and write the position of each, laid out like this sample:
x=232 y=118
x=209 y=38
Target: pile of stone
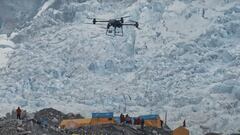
x=108 y=129
x=48 y=117
x=32 y=123
x=118 y=129
x=46 y=121
x=8 y=127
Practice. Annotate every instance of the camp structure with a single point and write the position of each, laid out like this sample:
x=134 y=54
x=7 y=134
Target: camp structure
x=181 y=131
x=151 y=120
x=102 y=115
x=102 y=118
x=97 y=119
x=75 y=123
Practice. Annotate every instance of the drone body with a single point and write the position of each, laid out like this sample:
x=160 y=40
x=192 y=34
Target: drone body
x=114 y=24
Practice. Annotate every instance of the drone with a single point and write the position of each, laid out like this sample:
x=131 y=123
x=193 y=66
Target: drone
x=114 y=24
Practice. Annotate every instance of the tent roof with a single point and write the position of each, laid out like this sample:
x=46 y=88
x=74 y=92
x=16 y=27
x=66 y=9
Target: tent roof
x=102 y=115
x=181 y=131
x=150 y=117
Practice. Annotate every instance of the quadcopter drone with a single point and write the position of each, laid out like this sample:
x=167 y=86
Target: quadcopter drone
x=115 y=24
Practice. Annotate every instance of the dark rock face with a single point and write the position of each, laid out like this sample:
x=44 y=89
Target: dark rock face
x=14 y=13
x=50 y=115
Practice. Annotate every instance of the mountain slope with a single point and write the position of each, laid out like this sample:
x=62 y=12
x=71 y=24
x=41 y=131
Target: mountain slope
x=184 y=60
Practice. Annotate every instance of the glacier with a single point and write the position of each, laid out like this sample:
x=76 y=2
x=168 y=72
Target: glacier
x=182 y=61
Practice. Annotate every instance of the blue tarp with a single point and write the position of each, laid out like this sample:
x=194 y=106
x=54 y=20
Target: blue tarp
x=149 y=117
x=102 y=115
x=145 y=117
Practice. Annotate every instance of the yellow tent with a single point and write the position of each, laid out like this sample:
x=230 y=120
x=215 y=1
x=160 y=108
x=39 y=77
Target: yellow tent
x=152 y=120
x=153 y=123
x=99 y=121
x=76 y=123
x=181 y=131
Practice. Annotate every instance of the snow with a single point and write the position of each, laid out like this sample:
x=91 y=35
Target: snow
x=177 y=7
x=45 y=6
x=5 y=42
x=179 y=62
x=6 y=46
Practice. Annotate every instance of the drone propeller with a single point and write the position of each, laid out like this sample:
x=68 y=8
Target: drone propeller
x=90 y=18
x=95 y=18
x=87 y=23
x=98 y=20
x=125 y=16
x=96 y=24
x=136 y=24
x=122 y=17
x=132 y=21
x=104 y=28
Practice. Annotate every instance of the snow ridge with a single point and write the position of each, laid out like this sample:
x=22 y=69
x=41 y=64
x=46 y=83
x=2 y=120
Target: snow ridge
x=184 y=61
x=45 y=6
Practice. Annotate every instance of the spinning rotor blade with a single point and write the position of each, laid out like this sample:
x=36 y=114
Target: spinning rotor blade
x=103 y=28
x=87 y=23
x=132 y=21
x=97 y=24
x=138 y=28
x=125 y=16
x=122 y=17
x=136 y=24
x=90 y=18
x=98 y=20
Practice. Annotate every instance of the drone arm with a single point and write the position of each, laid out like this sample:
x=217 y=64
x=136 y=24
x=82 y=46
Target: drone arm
x=132 y=24
x=128 y=24
x=101 y=21
x=95 y=20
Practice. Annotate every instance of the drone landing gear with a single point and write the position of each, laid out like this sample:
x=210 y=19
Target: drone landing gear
x=114 y=32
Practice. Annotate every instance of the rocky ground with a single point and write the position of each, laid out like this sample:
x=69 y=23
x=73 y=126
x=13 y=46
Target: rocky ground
x=46 y=121
x=185 y=60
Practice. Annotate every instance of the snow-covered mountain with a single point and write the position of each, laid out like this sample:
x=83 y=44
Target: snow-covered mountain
x=185 y=61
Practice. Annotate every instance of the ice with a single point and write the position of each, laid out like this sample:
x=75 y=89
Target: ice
x=6 y=46
x=46 y=5
x=236 y=92
x=179 y=62
x=177 y=7
x=222 y=88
